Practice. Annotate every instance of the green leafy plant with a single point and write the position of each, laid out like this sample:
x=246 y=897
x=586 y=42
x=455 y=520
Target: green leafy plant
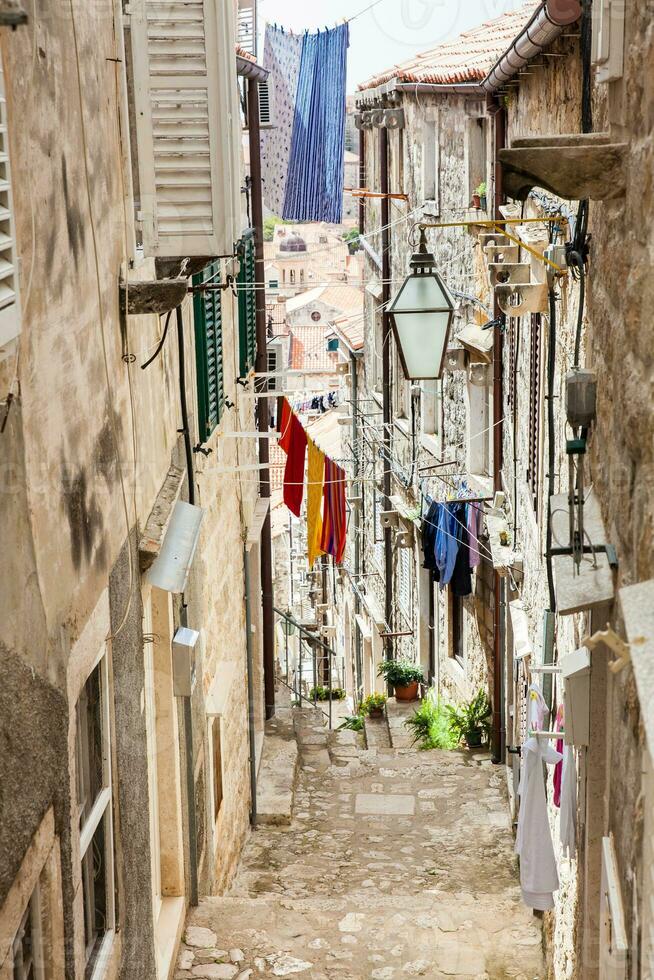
x=470 y=720
x=351 y=235
x=481 y=190
x=400 y=673
x=352 y=722
x=430 y=725
x=374 y=702
x=320 y=693
x=269 y=226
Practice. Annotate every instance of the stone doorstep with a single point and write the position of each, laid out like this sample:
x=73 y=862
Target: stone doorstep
x=396 y=713
x=276 y=780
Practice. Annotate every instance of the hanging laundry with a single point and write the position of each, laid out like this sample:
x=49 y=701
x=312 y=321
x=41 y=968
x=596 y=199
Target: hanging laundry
x=303 y=157
x=284 y=415
x=461 y=581
x=539 y=877
x=294 y=471
x=558 y=769
x=315 y=483
x=537 y=710
x=447 y=543
x=334 y=526
x=429 y=527
x=568 y=818
x=282 y=55
x=474 y=523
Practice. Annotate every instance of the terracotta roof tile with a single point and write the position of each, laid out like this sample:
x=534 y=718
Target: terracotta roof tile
x=464 y=59
x=309 y=350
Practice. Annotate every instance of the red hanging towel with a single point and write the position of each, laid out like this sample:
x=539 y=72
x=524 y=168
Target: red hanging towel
x=334 y=514
x=294 y=471
x=284 y=425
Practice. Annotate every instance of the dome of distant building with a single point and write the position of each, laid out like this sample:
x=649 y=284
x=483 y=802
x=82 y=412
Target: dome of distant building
x=293 y=244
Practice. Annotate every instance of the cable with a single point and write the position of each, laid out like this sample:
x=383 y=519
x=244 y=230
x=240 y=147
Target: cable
x=160 y=344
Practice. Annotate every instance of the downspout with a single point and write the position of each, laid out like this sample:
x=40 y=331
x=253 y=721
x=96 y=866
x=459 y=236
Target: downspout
x=188 y=714
x=362 y=180
x=250 y=680
x=262 y=403
x=357 y=511
x=498 y=439
x=386 y=381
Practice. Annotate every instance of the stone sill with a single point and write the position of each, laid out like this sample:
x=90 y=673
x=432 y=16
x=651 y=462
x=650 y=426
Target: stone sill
x=590 y=587
x=431 y=444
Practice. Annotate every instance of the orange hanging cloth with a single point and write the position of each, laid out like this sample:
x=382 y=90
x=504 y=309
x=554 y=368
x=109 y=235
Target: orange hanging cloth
x=315 y=482
x=334 y=524
x=294 y=471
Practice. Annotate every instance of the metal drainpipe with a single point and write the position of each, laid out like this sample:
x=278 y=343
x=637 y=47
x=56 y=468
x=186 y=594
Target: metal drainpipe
x=386 y=380
x=362 y=180
x=498 y=437
x=250 y=678
x=261 y=365
x=356 y=486
x=188 y=714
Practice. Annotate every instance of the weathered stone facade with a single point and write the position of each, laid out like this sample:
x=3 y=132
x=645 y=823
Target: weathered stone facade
x=88 y=442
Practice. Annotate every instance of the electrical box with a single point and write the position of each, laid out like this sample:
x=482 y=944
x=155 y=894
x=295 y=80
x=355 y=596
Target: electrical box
x=184 y=661
x=575 y=672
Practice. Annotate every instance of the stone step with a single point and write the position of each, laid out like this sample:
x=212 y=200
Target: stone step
x=432 y=935
x=376 y=732
x=276 y=779
x=397 y=713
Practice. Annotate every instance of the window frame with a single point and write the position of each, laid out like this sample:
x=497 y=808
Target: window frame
x=457 y=629
x=36 y=963
x=430 y=163
x=247 y=304
x=209 y=409
x=96 y=954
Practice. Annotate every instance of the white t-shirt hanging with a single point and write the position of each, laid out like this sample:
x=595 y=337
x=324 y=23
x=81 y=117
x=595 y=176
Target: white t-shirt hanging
x=539 y=876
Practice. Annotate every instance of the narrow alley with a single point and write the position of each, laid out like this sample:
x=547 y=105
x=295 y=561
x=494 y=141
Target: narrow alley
x=396 y=863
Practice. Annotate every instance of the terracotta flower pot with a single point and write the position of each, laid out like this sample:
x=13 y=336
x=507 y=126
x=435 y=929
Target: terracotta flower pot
x=407 y=693
x=476 y=201
x=376 y=713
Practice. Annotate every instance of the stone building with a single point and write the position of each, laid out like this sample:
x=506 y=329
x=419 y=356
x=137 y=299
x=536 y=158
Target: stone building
x=559 y=131
x=131 y=543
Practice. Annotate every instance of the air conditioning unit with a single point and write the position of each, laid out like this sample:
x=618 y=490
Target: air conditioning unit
x=389 y=518
x=394 y=119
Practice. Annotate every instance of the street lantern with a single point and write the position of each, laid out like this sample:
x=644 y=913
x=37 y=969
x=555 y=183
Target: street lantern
x=421 y=317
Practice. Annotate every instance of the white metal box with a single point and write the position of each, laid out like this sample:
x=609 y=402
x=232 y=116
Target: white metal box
x=575 y=671
x=184 y=644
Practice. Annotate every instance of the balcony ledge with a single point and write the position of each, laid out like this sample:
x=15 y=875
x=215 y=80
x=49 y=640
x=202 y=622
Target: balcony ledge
x=574 y=167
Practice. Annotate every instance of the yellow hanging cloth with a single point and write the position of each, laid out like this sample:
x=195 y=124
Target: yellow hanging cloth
x=315 y=480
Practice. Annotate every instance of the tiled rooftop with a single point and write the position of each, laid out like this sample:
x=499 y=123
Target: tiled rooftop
x=464 y=59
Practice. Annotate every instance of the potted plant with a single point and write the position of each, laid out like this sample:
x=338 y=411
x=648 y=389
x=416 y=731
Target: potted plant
x=321 y=693
x=373 y=705
x=470 y=720
x=481 y=193
x=404 y=676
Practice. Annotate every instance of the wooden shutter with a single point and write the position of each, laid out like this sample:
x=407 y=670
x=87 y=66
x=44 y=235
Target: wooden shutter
x=207 y=311
x=247 y=305
x=9 y=288
x=182 y=58
x=405 y=556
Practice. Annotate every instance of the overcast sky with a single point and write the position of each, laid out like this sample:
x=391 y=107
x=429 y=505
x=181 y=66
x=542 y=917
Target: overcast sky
x=391 y=32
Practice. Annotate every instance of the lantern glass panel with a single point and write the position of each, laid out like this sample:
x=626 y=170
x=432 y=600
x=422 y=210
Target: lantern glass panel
x=422 y=292
x=422 y=338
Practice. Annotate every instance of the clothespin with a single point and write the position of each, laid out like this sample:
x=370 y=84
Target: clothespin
x=615 y=643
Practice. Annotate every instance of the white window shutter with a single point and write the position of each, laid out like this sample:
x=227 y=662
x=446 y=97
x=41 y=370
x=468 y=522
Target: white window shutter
x=9 y=286
x=181 y=58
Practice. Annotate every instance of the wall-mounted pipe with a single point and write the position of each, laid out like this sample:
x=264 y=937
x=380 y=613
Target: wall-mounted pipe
x=543 y=28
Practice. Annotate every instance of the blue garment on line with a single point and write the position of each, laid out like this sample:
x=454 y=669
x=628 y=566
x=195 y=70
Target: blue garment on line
x=314 y=185
x=451 y=527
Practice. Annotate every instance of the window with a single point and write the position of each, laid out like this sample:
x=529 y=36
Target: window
x=430 y=404
x=533 y=465
x=27 y=948
x=272 y=368
x=217 y=754
x=479 y=428
x=283 y=275
x=292 y=277
x=404 y=586
x=93 y=761
x=9 y=288
x=513 y=334
x=315 y=316
x=273 y=284
x=247 y=305
x=207 y=313
x=475 y=154
x=379 y=551
x=458 y=645
x=608 y=39
x=431 y=164
x=302 y=276
x=187 y=114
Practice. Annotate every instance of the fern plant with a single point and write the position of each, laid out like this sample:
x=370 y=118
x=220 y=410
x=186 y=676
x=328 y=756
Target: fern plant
x=430 y=725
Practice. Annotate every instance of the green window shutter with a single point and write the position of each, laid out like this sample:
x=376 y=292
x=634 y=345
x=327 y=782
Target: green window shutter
x=247 y=305
x=207 y=314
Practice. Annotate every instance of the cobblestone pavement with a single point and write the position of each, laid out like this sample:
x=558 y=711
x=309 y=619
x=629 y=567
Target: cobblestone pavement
x=397 y=863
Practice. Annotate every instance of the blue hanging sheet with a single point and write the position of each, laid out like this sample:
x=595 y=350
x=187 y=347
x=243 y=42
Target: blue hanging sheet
x=314 y=185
